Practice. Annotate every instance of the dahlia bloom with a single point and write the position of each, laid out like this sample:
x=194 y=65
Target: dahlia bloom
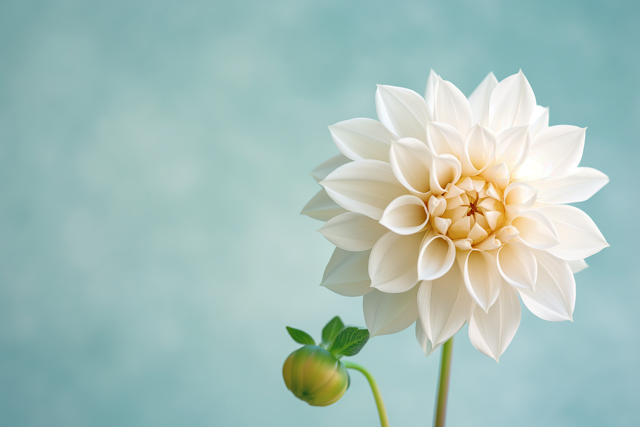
x=452 y=209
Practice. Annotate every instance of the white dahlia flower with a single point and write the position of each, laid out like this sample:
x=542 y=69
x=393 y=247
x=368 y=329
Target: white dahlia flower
x=448 y=209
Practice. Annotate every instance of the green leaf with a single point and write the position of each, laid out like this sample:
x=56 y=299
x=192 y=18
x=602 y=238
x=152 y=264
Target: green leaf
x=349 y=342
x=331 y=330
x=300 y=337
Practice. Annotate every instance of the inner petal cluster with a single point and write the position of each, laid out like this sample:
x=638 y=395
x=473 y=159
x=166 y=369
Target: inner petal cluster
x=468 y=212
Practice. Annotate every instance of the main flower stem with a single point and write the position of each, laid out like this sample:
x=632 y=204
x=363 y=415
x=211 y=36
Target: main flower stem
x=443 y=384
x=384 y=422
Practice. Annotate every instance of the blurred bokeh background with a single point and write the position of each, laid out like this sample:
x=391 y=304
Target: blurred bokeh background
x=154 y=157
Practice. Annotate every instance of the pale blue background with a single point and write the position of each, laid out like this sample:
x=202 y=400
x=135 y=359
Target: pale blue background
x=154 y=157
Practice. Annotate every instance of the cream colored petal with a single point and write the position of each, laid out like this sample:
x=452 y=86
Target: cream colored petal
x=578 y=234
x=479 y=150
x=321 y=171
x=577 y=266
x=347 y=273
x=427 y=346
x=519 y=196
x=363 y=186
x=518 y=265
x=512 y=103
x=480 y=98
x=536 y=230
x=444 y=306
x=445 y=169
x=361 y=139
x=555 y=152
x=405 y=110
x=405 y=215
x=491 y=332
x=498 y=174
x=393 y=265
x=322 y=207
x=430 y=93
x=390 y=313
x=577 y=186
x=539 y=120
x=452 y=107
x=442 y=138
x=411 y=162
x=437 y=254
x=513 y=147
x=555 y=296
x=353 y=231
x=481 y=277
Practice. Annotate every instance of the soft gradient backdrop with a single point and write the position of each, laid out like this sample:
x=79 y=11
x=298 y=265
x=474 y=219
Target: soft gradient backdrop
x=154 y=157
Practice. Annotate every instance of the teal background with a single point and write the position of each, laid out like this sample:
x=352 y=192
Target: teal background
x=154 y=157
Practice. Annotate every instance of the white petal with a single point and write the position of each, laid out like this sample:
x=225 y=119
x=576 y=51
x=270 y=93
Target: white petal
x=393 y=265
x=322 y=207
x=437 y=254
x=405 y=110
x=480 y=98
x=479 y=150
x=577 y=266
x=556 y=151
x=578 y=234
x=353 y=231
x=444 y=306
x=539 y=120
x=577 y=186
x=347 y=273
x=426 y=345
x=405 y=215
x=445 y=169
x=519 y=196
x=536 y=230
x=452 y=107
x=444 y=139
x=555 y=296
x=513 y=147
x=430 y=93
x=390 y=313
x=512 y=103
x=364 y=186
x=411 y=163
x=362 y=139
x=492 y=332
x=498 y=174
x=321 y=171
x=518 y=265
x=481 y=277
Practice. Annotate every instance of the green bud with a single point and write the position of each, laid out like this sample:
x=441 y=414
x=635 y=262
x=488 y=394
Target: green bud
x=315 y=376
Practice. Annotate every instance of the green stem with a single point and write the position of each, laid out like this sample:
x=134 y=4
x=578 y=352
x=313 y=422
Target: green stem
x=443 y=384
x=384 y=422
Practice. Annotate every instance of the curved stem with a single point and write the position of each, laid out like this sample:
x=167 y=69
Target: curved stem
x=443 y=384
x=384 y=422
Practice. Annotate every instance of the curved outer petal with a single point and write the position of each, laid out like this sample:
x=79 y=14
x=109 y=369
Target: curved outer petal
x=437 y=255
x=492 y=332
x=555 y=296
x=539 y=120
x=444 y=306
x=427 y=346
x=347 y=273
x=405 y=215
x=536 y=230
x=362 y=139
x=452 y=107
x=577 y=186
x=556 y=151
x=411 y=163
x=430 y=92
x=389 y=313
x=352 y=231
x=517 y=265
x=321 y=171
x=519 y=196
x=445 y=169
x=322 y=207
x=513 y=147
x=393 y=265
x=365 y=186
x=512 y=103
x=442 y=138
x=403 y=111
x=481 y=277
x=577 y=266
x=479 y=150
x=480 y=98
x=578 y=234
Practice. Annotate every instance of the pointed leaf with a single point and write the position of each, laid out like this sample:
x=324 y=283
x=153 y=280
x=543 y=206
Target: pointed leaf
x=349 y=342
x=301 y=337
x=331 y=330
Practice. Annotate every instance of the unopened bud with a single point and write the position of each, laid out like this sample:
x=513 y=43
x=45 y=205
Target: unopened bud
x=315 y=376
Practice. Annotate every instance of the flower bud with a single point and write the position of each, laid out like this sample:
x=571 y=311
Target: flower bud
x=315 y=376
